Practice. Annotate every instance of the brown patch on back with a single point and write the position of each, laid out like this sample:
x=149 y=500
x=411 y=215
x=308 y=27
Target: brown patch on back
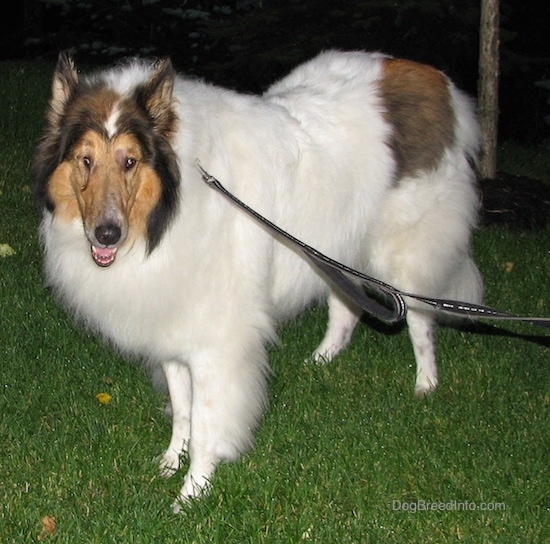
x=418 y=106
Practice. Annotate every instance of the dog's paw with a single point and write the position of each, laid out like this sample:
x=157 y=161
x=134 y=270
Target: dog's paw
x=169 y=463
x=193 y=489
x=324 y=355
x=423 y=388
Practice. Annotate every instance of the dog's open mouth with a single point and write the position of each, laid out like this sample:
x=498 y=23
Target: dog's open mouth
x=104 y=256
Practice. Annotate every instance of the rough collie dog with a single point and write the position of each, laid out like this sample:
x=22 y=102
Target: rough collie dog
x=368 y=158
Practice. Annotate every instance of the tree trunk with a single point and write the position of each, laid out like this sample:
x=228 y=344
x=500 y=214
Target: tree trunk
x=488 y=86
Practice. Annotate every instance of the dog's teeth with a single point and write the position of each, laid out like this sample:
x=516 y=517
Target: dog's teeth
x=104 y=256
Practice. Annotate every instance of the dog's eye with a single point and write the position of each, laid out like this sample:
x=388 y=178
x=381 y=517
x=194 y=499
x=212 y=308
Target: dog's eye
x=87 y=162
x=130 y=163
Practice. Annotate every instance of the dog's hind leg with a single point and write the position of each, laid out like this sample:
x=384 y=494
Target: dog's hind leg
x=179 y=387
x=342 y=318
x=421 y=332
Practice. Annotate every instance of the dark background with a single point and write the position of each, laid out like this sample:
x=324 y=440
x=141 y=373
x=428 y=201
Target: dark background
x=247 y=44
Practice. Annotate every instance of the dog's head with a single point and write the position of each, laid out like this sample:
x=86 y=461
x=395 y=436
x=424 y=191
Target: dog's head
x=105 y=159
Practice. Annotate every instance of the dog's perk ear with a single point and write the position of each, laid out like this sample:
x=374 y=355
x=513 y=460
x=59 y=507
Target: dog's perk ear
x=65 y=81
x=156 y=97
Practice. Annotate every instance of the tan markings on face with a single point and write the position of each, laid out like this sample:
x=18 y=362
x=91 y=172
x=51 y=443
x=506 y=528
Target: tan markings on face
x=106 y=180
x=146 y=198
x=418 y=105
x=61 y=193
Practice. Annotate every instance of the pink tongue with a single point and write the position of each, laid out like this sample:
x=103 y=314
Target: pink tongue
x=103 y=256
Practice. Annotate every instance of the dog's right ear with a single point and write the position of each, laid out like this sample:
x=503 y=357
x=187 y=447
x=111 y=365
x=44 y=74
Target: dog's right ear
x=64 y=83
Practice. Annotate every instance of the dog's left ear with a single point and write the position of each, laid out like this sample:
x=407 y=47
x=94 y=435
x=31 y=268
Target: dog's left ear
x=64 y=83
x=156 y=97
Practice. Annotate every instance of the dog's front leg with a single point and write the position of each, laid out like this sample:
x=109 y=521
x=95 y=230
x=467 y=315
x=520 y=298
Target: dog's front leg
x=207 y=418
x=179 y=387
x=229 y=397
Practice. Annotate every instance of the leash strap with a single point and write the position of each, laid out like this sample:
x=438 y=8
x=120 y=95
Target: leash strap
x=382 y=301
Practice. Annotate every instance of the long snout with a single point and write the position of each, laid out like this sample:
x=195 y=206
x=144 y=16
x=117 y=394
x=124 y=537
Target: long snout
x=106 y=228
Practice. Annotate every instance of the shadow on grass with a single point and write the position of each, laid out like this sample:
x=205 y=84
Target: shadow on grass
x=487 y=329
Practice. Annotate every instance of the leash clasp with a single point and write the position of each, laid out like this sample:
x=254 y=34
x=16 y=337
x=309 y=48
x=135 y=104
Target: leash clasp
x=206 y=177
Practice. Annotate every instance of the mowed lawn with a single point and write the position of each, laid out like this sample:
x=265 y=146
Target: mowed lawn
x=345 y=454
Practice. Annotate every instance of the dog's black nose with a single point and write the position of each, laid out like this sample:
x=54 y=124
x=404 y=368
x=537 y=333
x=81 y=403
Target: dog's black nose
x=108 y=234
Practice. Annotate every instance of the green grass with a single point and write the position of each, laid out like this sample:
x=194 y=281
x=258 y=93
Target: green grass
x=339 y=444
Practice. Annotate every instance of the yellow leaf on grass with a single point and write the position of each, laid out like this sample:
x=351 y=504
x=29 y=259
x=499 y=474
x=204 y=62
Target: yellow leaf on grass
x=49 y=527
x=103 y=398
x=6 y=250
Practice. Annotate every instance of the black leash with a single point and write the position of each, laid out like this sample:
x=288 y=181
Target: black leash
x=383 y=301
